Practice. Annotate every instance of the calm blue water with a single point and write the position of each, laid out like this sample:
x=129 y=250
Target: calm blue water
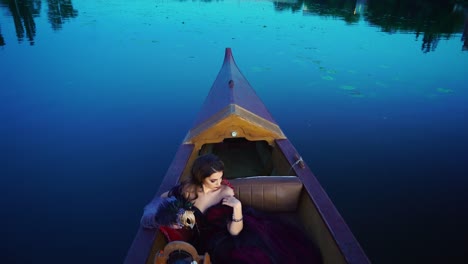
x=95 y=97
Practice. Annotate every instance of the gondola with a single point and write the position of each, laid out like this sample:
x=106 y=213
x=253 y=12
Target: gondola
x=261 y=163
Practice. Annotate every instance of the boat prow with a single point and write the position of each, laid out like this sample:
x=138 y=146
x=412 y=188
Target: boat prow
x=232 y=109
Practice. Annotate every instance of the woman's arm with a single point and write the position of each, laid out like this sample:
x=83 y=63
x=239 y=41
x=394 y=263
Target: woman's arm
x=236 y=224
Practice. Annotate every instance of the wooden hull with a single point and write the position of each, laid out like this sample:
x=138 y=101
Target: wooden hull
x=235 y=125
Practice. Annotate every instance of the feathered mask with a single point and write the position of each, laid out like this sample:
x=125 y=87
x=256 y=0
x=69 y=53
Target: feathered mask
x=170 y=211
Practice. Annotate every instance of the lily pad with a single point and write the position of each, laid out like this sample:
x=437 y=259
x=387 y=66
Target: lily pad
x=444 y=90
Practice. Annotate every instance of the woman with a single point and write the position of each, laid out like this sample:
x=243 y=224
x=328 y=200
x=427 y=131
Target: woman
x=228 y=232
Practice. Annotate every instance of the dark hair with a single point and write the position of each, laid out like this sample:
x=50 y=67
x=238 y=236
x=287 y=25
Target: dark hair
x=202 y=167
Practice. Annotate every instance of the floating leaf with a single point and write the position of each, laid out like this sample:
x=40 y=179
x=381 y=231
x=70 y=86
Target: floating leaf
x=348 y=87
x=328 y=78
x=444 y=90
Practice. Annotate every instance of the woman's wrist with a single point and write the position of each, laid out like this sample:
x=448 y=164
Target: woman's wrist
x=234 y=219
x=237 y=214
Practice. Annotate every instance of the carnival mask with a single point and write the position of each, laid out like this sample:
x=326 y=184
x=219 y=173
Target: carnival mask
x=186 y=218
x=174 y=211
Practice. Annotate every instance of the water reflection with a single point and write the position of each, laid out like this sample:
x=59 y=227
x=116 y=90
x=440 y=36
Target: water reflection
x=23 y=13
x=283 y=5
x=59 y=12
x=465 y=31
x=2 y=40
x=430 y=20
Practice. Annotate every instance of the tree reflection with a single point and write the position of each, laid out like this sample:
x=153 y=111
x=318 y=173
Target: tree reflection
x=59 y=12
x=431 y=19
x=23 y=13
x=465 y=31
x=2 y=40
x=343 y=9
x=283 y=5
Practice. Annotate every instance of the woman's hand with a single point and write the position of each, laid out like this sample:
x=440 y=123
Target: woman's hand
x=231 y=201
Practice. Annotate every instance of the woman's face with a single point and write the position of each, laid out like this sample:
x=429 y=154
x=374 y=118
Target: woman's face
x=213 y=182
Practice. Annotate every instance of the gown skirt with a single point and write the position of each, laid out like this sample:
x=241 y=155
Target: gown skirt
x=264 y=239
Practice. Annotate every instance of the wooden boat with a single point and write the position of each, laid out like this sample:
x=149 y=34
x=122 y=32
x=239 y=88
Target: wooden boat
x=262 y=164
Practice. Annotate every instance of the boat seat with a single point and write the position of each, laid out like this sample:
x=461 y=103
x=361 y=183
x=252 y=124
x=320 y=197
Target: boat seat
x=269 y=193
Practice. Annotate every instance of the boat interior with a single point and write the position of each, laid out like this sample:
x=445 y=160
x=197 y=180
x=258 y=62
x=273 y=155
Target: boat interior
x=243 y=158
x=263 y=178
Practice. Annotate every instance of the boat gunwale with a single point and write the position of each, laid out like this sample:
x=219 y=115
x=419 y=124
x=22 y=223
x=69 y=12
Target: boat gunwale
x=345 y=240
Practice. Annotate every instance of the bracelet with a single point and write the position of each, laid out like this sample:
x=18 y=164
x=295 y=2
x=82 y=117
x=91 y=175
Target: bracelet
x=237 y=220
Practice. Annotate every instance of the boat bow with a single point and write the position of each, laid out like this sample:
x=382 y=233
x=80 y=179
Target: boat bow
x=233 y=100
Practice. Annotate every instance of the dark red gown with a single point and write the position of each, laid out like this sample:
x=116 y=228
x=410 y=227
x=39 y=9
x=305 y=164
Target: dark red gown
x=264 y=238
